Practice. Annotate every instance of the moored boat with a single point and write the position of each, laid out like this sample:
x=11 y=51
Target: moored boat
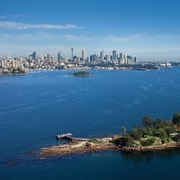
x=61 y=136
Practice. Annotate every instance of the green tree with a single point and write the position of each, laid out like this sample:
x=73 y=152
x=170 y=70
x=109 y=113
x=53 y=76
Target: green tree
x=159 y=123
x=148 y=142
x=176 y=118
x=161 y=133
x=147 y=121
x=137 y=133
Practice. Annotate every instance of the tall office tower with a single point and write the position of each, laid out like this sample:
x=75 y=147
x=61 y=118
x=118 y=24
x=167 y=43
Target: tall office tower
x=34 y=55
x=4 y=63
x=78 y=59
x=114 y=55
x=83 y=55
x=121 y=58
x=72 y=56
x=102 y=55
x=129 y=59
x=48 y=58
x=59 y=56
x=108 y=57
x=125 y=59
x=87 y=59
x=93 y=58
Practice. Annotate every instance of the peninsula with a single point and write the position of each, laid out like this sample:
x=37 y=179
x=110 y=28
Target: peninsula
x=153 y=135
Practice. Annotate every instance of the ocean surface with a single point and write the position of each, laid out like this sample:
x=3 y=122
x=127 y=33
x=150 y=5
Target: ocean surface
x=36 y=106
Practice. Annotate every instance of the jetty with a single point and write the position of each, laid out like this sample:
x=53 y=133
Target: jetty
x=63 y=136
x=69 y=137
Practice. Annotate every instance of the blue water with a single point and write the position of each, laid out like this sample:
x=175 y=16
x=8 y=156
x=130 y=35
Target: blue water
x=36 y=106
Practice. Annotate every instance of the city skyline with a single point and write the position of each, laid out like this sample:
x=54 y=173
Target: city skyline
x=147 y=30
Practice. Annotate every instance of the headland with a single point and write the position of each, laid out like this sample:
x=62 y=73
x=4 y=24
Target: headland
x=154 y=135
x=101 y=144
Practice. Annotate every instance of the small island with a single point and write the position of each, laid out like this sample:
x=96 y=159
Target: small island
x=153 y=135
x=82 y=74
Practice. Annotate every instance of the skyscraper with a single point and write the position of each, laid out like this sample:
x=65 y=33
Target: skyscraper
x=108 y=57
x=121 y=58
x=34 y=55
x=102 y=55
x=59 y=56
x=72 y=54
x=114 y=55
x=49 y=58
x=83 y=55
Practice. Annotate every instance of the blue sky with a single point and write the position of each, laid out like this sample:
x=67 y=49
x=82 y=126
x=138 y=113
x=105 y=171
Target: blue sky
x=147 y=29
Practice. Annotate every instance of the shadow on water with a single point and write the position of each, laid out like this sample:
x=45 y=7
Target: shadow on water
x=136 y=157
x=149 y=156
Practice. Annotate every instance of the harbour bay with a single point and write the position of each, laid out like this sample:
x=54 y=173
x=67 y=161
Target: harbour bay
x=36 y=106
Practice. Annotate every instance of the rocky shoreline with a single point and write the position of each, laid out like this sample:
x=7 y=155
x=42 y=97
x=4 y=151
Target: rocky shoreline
x=77 y=146
x=73 y=149
x=167 y=146
x=105 y=144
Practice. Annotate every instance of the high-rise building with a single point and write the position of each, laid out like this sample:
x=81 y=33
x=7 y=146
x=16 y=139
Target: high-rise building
x=34 y=55
x=114 y=55
x=131 y=59
x=83 y=55
x=102 y=55
x=4 y=63
x=49 y=58
x=125 y=59
x=59 y=56
x=93 y=58
x=72 y=55
x=108 y=57
x=121 y=58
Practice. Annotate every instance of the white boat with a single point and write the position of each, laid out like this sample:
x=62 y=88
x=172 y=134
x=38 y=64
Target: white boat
x=61 y=136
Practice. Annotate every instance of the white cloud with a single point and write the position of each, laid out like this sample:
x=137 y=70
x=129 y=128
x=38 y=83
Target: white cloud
x=129 y=38
x=140 y=35
x=42 y=36
x=10 y=16
x=71 y=37
x=166 y=50
x=117 y=39
x=24 y=26
x=39 y=36
x=2 y=17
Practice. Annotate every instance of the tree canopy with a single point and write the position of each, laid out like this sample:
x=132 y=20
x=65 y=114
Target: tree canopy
x=176 y=118
x=164 y=130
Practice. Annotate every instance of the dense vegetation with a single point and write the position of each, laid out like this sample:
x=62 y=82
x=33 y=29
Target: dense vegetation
x=151 y=132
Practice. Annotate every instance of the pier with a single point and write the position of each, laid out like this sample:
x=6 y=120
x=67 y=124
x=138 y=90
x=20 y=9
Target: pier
x=69 y=137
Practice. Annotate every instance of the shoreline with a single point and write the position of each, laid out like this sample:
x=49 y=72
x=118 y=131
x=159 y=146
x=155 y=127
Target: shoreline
x=87 y=146
x=167 y=146
x=72 y=149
